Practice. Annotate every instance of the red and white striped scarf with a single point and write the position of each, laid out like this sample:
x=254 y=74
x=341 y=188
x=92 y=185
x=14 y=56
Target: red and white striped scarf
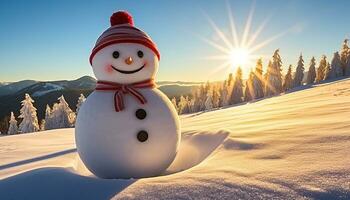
x=121 y=89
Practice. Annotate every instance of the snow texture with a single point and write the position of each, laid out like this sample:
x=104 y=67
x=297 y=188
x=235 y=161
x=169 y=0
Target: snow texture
x=293 y=146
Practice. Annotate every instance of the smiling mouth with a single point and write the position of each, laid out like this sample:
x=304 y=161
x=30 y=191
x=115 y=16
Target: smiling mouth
x=128 y=72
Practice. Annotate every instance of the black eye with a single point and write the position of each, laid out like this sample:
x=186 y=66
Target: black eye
x=140 y=54
x=115 y=54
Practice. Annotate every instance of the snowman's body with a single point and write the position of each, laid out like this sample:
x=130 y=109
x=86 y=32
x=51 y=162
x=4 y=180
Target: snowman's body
x=108 y=140
x=126 y=129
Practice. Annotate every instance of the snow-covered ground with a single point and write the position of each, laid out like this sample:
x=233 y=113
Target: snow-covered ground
x=294 y=146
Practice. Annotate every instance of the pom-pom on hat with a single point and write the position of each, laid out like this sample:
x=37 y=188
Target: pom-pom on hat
x=122 y=30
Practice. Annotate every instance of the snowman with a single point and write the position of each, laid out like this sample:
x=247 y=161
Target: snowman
x=126 y=128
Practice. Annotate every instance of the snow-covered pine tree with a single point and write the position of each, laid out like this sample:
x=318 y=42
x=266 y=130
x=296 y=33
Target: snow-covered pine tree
x=54 y=118
x=202 y=96
x=28 y=114
x=347 y=67
x=327 y=72
x=13 y=129
x=288 y=80
x=237 y=90
x=48 y=118
x=321 y=70
x=311 y=75
x=173 y=101
x=335 y=70
x=249 y=88
x=183 y=105
x=225 y=94
x=196 y=101
x=299 y=72
x=336 y=63
x=216 y=96
x=81 y=100
x=344 y=55
x=258 y=80
x=209 y=101
x=62 y=115
x=274 y=76
x=191 y=105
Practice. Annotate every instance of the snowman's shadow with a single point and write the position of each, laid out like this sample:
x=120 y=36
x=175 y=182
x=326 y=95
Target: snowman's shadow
x=194 y=148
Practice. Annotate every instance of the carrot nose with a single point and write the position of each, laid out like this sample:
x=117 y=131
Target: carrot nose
x=128 y=60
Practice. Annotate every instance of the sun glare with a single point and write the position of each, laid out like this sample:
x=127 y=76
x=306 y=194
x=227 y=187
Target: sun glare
x=239 y=57
x=238 y=51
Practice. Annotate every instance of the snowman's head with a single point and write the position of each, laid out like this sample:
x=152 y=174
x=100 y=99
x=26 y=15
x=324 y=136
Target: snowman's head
x=123 y=53
x=125 y=63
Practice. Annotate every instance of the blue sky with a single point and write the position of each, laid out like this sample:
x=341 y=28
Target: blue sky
x=52 y=40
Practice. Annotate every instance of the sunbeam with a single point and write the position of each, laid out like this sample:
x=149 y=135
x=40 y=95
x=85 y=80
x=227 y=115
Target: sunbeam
x=239 y=51
x=247 y=26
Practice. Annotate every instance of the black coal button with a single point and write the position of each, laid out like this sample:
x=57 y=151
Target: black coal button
x=142 y=136
x=141 y=114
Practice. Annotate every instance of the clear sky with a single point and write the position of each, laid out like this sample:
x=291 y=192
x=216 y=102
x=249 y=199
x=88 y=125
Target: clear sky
x=52 y=40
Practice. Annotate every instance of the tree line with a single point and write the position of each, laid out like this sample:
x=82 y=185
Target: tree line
x=259 y=85
x=59 y=116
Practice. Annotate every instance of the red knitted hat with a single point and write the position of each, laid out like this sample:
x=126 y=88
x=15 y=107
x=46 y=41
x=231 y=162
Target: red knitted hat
x=122 y=30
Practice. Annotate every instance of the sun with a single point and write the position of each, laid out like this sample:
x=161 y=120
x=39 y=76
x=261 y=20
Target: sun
x=239 y=57
x=238 y=51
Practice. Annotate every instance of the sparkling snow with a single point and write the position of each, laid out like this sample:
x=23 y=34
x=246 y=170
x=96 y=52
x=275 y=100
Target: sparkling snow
x=296 y=145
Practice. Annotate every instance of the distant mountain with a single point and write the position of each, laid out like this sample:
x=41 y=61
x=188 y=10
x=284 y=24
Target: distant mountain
x=47 y=92
x=176 y=90
x=10 y=88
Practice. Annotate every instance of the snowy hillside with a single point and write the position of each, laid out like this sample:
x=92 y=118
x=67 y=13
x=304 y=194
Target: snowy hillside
x=294 y=146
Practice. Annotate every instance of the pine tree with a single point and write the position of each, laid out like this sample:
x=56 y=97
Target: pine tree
x=237 y=90
x=274 y=76
x=202 y=97
x=311 y=75
x=173 y=101
x=48 y=118
x=344 y=56
x=327 y=72
x=196 y=101
x=249 y=88
x=299 y=72
x=62 y=116
x=54 y=118
x=335 y=68
x=258 y=79
x=28 y=113
x=216 y=96
x=225 y=94
x=192 y=105
x=81 y=100
x=321 y=70
x=183 y=105
x=209 y=102
x=337 y=64
x=288 y=80
x=347 y=67
x=13 y=129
